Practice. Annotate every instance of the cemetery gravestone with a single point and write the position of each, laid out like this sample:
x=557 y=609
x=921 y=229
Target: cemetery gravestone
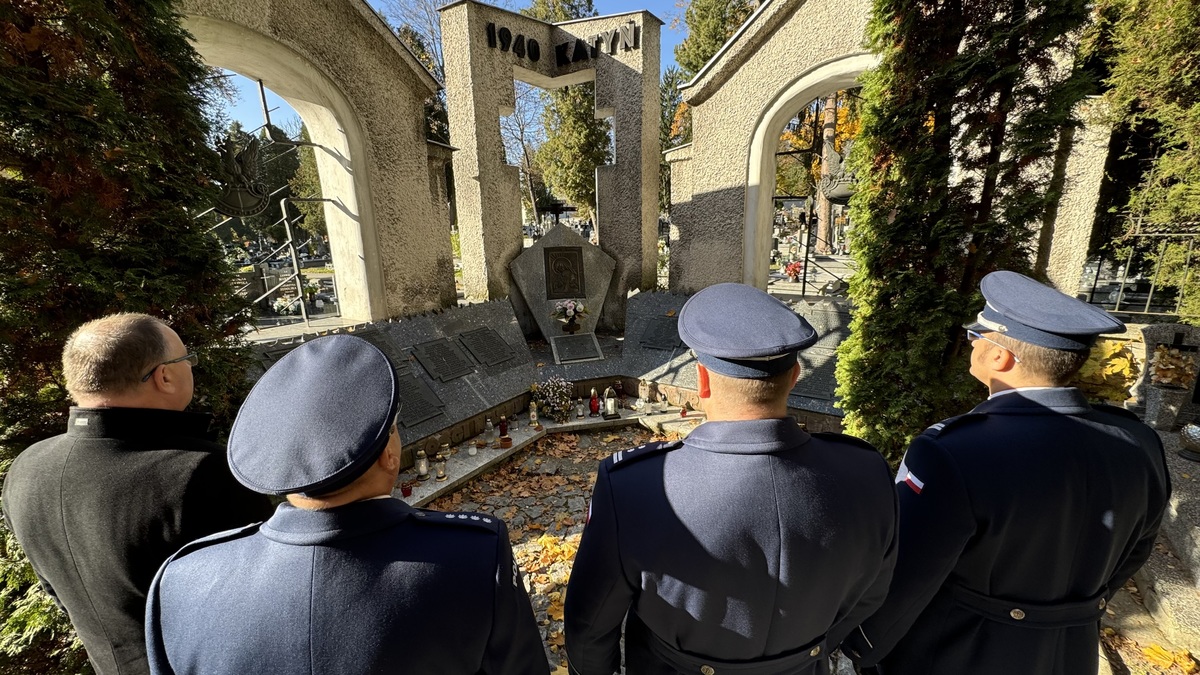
x=562 y=266
x=575 y=348
x=487 y=346
x=661 y=332
x=819 y=362
x=417 y=401
x=443 y=359
x=1186 y=339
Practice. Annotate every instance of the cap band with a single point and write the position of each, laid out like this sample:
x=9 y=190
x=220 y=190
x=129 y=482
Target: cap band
x=748 y=369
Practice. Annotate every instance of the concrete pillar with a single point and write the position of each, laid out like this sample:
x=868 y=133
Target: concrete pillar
x=1063 y=248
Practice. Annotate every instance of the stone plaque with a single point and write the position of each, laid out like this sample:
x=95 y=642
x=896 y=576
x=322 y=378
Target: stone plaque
x=443 y=359
x=661 y=332
x=417 y=401
x=487 y=346
x=817 y=378
x=574 y=348
x=564 y=272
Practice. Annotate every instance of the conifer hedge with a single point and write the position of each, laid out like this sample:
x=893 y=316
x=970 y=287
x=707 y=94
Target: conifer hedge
x=960 y=123
x=102 y=166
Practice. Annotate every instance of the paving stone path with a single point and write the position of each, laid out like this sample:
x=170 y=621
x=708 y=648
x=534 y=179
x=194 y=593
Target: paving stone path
x=542 y=493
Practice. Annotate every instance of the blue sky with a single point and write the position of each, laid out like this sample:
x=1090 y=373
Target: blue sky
x=248 y=111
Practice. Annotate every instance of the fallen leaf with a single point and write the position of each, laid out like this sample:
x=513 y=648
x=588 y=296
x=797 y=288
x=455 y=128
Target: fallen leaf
x=540 y=364
x=670 y=312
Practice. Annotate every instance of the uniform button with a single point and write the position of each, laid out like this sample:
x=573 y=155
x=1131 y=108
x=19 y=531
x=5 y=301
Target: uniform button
x=1103 y=604
x=815 y=651
x=1017 y=614
x=707 y=670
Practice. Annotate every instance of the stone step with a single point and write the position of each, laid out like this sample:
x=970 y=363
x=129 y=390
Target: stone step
x=1181 y=523
x=1169 y=592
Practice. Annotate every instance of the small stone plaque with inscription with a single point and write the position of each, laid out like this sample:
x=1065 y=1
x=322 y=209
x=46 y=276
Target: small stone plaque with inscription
x=575 y=348
x=443 y=359
x=487 y=346
x=661 y=332
x=817 y=378
x=417 y=401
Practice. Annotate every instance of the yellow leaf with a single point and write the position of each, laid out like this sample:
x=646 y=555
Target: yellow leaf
x=1158 y=656
x=610 y=438
x=671 y=312
x=561 y=670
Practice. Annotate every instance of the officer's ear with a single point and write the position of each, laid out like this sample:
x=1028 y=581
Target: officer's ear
x=702 y=377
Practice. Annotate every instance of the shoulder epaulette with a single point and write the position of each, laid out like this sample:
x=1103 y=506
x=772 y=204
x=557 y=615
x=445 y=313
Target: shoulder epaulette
x=937 y=429
x=218 y=538
x=627 y=457
x=479 y=520
x=1115 y=410
x=842 y=438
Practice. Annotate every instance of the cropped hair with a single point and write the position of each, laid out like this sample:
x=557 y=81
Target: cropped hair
x=110 y=355
x=1055 y=365
x=764 y=391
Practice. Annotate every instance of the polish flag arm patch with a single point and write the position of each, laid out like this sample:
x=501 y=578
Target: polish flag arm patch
x=906 y=476
x=913 y=482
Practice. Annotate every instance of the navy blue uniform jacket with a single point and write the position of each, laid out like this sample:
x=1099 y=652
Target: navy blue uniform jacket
x=750 y=542
x=375 y=586
x=1018 y=521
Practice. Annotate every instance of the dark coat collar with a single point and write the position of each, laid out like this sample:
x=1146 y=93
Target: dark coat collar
x=305 y=527
x=748 y=437
x=131 y=423
x=1057 y=401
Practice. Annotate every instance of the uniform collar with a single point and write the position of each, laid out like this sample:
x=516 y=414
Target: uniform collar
x=137 y=423
x=1056 y=400
x=748 y=437
x=291 y=525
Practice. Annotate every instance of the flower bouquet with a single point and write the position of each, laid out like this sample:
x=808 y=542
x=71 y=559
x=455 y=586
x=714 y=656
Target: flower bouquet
x=553 y=398
x=794 y=269
x=568 y=310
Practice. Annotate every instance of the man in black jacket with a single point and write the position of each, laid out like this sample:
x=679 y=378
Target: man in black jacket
x=134 y=478
x=1022 y=518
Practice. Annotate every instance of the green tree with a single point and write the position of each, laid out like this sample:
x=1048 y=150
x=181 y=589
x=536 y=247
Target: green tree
x=710 y=23
x=103 y=163
x=973 y=91
x=576 y=142
x=1155 y=90
x=669 y=100
x=306 y=182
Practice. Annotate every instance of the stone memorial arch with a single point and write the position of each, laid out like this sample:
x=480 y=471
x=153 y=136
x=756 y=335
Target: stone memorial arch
x=723 y=183
x=485 y=49
x=788 y=53
x=360 y=92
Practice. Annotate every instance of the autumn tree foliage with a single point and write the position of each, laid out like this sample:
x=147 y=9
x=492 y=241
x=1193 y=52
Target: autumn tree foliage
x=960 y=124
x=103 y=166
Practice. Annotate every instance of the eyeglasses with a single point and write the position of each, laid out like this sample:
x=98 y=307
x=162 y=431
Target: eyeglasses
x=193 y=359
x=975 y=335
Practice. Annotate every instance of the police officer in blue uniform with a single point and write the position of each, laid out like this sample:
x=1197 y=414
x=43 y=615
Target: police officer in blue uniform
x=342 y=578
x=1022 y=518
x=752 y=547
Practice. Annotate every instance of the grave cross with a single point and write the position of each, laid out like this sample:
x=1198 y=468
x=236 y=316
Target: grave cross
x=559 y=208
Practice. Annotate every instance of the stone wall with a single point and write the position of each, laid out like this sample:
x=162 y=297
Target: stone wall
x=740 y=104
x=360 y=92
x=481 y=65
